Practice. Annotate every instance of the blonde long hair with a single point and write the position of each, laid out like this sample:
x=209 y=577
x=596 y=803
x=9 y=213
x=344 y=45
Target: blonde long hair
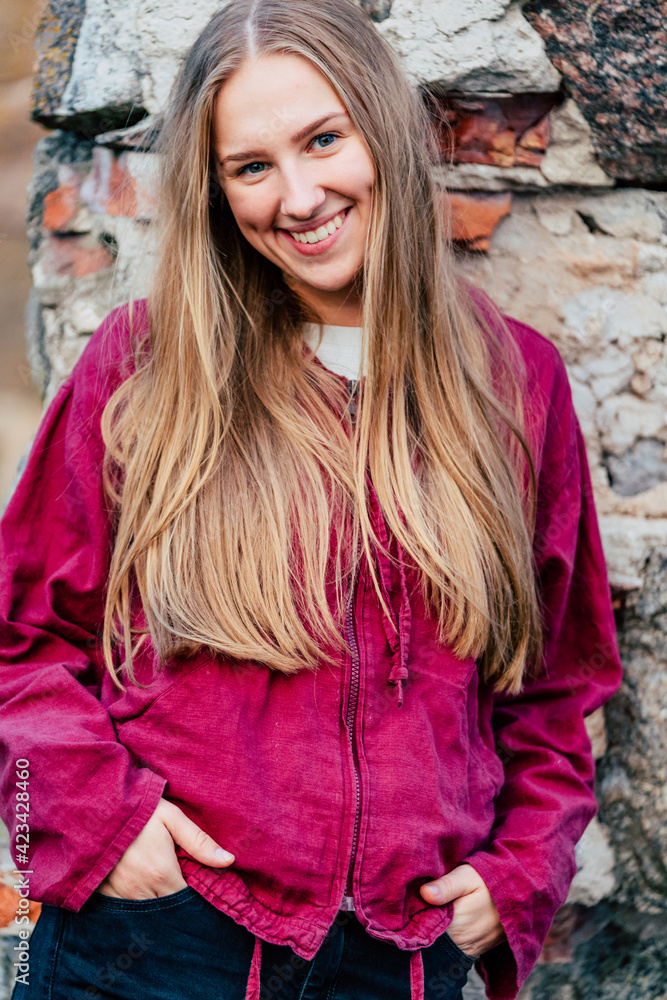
x=230 y=455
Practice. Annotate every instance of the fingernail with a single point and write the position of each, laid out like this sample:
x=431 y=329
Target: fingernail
x=434 y=890
x=223 y=855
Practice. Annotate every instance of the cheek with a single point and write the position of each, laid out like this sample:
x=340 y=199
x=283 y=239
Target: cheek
x=359 y=176
x=249 y=210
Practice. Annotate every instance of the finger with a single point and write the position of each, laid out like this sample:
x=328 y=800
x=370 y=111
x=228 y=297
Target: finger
x=192 y=839
x=459 y=882
x=143 y=882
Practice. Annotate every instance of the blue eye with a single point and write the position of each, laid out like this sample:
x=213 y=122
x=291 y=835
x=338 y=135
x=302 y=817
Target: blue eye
x=323 y=135
x=242 y=170
x=258 y=163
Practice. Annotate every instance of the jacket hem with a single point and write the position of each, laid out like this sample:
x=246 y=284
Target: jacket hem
x=228 y=897
x=421 y=930
x=303 y=935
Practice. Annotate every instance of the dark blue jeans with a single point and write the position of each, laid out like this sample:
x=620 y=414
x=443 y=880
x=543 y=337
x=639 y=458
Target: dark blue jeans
x=180 y=947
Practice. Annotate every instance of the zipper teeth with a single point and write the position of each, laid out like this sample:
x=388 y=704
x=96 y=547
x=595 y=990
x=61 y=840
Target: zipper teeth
x=351 y=712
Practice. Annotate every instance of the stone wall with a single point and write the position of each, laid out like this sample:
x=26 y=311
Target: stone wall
x=554 y=157
x=20 y=405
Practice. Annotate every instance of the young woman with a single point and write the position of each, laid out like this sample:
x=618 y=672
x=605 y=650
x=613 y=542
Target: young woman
x=303 y=593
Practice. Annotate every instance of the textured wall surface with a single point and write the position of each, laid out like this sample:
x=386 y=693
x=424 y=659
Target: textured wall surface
x=612 y=55
x=554 y=160
x=20 y=405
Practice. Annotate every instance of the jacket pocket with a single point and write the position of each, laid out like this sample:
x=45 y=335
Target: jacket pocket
x=455 y=951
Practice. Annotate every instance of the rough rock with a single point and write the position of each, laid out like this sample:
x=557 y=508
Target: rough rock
x=489 y=177
x=551 y=264
x=570 y=158
x=482 y=45
x=633 y=775
x=378 y=9
x=165 y=30
x=594 y=880
x=88 y=216
x=597 y=733
x=607 y=953
x=632 y=214
x=607 y=942
x=612 y=56
x=628 y=544
x=102 y=89
x=623 y=419
x=615 y=317
x=55 y=44
x=641 y=467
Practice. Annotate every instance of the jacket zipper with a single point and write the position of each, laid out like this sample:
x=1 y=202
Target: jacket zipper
x=348 y=899
x=350 y=719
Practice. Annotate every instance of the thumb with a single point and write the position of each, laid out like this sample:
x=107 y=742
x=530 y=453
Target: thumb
x=459 y=882
x=192 y=839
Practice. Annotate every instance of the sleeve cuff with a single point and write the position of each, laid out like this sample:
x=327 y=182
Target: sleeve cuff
x=112 y=852
x=505 y=967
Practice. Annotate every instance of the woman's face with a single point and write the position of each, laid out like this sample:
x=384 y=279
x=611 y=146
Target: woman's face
x=290 y=159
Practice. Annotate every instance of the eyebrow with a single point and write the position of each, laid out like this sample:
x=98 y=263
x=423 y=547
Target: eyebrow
x=248 y=153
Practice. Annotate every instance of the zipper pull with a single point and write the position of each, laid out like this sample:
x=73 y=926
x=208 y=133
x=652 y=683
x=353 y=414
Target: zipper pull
x=354 y=394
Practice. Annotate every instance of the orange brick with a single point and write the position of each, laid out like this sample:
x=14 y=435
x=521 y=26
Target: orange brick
x=60 y=207
x=499 y=130
x=532 y=144
x=475 y=216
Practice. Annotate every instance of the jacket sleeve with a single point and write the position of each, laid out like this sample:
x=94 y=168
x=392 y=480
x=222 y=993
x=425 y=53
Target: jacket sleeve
x=547 y=798
x=87 y=800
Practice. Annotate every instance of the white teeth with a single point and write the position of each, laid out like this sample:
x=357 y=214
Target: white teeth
x=321 y=233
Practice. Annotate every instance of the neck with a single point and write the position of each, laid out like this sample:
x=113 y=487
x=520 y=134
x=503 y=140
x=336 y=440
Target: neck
x=342 y=307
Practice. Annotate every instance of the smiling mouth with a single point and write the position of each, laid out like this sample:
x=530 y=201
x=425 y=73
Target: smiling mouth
x=322 y=233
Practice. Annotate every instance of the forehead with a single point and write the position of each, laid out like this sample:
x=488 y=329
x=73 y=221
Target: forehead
x=270 y=96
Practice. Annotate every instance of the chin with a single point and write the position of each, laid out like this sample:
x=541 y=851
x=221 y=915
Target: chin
x=330 y=284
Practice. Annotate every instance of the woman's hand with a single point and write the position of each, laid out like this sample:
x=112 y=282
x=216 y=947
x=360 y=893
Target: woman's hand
x=149 y=867
x=476 y=925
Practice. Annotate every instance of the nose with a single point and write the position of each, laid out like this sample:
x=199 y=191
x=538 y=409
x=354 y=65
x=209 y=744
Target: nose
x=301 y=197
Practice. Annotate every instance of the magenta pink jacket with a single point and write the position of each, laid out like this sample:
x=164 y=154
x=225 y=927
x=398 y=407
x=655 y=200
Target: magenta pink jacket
x=369 y=779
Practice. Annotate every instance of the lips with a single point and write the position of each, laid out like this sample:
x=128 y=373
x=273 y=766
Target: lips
x=322 y=246
x=313 y=227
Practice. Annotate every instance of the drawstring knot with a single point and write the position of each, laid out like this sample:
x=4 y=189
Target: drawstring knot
x=398 y=674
